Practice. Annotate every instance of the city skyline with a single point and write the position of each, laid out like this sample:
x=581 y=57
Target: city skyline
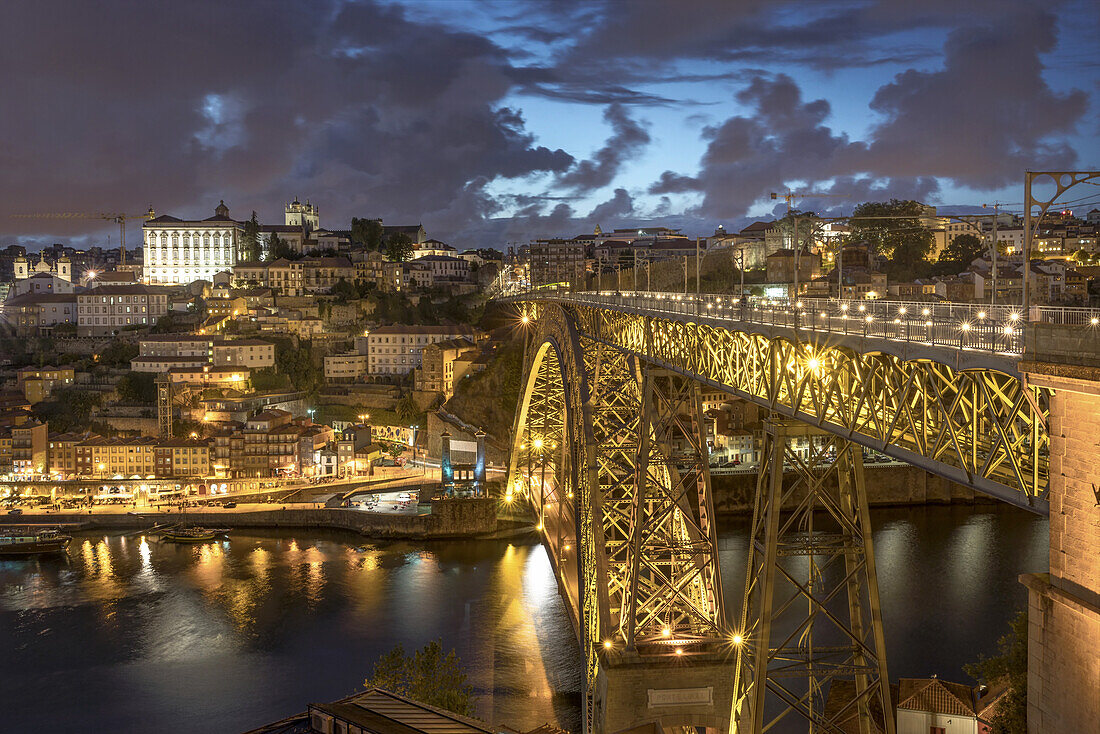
x=500 y=122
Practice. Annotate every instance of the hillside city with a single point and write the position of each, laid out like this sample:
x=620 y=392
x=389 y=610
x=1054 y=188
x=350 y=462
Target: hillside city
x=227 y=349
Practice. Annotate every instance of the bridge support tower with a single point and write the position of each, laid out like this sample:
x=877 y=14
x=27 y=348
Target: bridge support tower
x=1063 y=671
x=810 y=641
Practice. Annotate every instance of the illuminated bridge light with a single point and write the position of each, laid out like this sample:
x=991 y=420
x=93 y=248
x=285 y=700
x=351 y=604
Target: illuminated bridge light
x=1015 y=316
x=1094 y=321
x=924 y=312
x=1008 y=329
x=903 y=310
x=870 y=318
x=981 y=314
x=965 y=326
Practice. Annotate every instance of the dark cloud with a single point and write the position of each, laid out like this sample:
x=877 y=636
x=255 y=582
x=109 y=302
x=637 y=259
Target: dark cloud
x=986 y=116
x=618 y=206
x=628 y=138
x=353 y=103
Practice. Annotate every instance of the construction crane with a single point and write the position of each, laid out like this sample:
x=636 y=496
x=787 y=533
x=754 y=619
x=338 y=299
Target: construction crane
x=121 y=219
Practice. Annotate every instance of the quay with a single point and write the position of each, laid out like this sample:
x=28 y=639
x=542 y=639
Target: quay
x=445 y=518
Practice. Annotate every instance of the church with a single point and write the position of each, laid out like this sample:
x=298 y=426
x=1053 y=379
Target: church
x=62 y=269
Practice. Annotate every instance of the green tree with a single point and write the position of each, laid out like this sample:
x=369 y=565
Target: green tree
x=366 y=233
x=399 y=248
x=963 y=250
x=406 y=408
x=1009 y=665
x=901 y=238
x=279 y=248
x=118 y=354
x=428 y=675
x=344 y=291
x=137 y=387
x=250 y=239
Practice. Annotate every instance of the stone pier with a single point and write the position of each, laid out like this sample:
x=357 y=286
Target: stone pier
x=1064 y=605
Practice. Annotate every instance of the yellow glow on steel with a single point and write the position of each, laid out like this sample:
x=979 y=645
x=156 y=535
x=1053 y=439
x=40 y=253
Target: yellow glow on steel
x=607 y=644
x=538 y=443
x=965 y=326
x=813 y=363
x=737 y=638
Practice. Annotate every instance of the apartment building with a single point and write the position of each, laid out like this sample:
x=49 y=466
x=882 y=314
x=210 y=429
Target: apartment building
x=111 y=308
x=24 y=448
x=345 y=367
x=395 y=350
x=110 y=457
x=38 y=383
x=183 y=457
x=437 y=365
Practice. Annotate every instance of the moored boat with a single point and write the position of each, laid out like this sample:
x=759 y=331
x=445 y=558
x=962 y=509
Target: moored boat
x=188 y=535
x=30 y=543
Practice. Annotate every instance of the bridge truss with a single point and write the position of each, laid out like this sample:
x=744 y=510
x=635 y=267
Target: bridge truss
x=610 y=448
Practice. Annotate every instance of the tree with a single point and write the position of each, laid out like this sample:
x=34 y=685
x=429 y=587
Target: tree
x=366 y=233
x=118 y=354
x=406 y=408
x=399 y=248
x=1010 y=664
x=278 y=248
x=428 y=676
x=964 y=249
x=344 y=291
x=250 y=239
x=902 y=238
x=137 y=387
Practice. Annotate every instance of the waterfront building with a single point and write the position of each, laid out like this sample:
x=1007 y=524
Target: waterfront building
x=23 y=448
x=183 y=457
x=110 y=457
x=179 y=251
x=397 y=349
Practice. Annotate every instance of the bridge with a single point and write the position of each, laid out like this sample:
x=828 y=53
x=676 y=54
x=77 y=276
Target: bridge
x=610 y=452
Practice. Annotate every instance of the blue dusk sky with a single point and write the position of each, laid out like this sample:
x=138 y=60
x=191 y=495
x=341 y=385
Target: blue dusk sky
x=495 y=122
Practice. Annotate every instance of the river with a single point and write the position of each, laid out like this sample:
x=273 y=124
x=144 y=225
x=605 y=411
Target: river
x=130 y=634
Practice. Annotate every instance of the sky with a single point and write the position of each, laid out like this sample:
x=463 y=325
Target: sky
x=496 y=122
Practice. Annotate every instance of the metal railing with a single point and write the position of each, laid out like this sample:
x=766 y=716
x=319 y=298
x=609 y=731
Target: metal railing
x=997 y=329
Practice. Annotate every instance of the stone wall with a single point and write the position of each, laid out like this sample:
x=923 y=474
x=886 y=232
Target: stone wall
x=1064 y=605
x=450 y=518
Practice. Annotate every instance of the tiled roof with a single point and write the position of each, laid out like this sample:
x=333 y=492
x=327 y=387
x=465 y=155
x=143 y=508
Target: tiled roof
x=937 y=696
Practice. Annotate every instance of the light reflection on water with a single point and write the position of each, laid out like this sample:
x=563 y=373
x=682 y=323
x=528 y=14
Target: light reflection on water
x=133 y=634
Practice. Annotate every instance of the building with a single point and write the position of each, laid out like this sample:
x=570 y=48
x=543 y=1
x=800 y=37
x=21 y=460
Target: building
x=61 y=453
x=25 y=448
x=111 y=308
x=38 y=383
x=556 y=261
x=270 y=443
x=284 y=277
x=183 y=457
x=61 y=269
x=321 y=274
x=377 y=711
x=780 y=266
x=445 y=268
x=226 y=307
x=38 y=314
x=437 y=370
x=931 y=705
x=179 y=251
x=414 y=232
x=205 y=375
x=345 y=367
x=395 y=350
x=115 y=457
x=41 y=283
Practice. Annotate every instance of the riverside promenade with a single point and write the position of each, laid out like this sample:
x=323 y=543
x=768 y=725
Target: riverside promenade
x=444 y=518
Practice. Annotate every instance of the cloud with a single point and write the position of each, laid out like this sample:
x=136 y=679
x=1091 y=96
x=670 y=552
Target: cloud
x=618 y=206
x=123 y=105
x=628 y=138
x=986 y=116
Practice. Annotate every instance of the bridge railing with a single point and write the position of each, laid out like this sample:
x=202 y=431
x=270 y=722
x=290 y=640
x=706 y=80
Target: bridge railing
x=997 y=329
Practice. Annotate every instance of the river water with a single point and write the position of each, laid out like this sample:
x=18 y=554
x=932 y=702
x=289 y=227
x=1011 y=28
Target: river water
x=130 y=634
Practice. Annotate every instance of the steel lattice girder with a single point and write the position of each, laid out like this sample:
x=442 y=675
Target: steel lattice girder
x=585 y=397
x=982 y=428
x=810 y=551
x=674 y=581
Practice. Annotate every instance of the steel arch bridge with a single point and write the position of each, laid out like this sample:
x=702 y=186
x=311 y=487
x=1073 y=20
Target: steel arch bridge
x=610 y=450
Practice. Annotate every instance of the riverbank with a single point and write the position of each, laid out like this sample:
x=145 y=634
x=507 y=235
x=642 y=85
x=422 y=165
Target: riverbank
x=894 y=485
x=448 y=518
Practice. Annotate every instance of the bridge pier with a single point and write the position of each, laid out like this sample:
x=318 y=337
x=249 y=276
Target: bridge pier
x=1063 y=686
x=635 y=692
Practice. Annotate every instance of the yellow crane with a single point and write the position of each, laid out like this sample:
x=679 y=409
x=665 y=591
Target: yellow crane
x=121 y=219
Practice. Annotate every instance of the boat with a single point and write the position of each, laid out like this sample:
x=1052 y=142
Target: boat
x=31 y=543
x=188 y=535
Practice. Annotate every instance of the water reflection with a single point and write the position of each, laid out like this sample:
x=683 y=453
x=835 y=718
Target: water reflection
x=171 y=638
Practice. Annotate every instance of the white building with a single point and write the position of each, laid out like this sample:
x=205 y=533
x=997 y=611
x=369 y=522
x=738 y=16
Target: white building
x=110 y=308
x=396 y=350
x=180 y=251
x=62 y=269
